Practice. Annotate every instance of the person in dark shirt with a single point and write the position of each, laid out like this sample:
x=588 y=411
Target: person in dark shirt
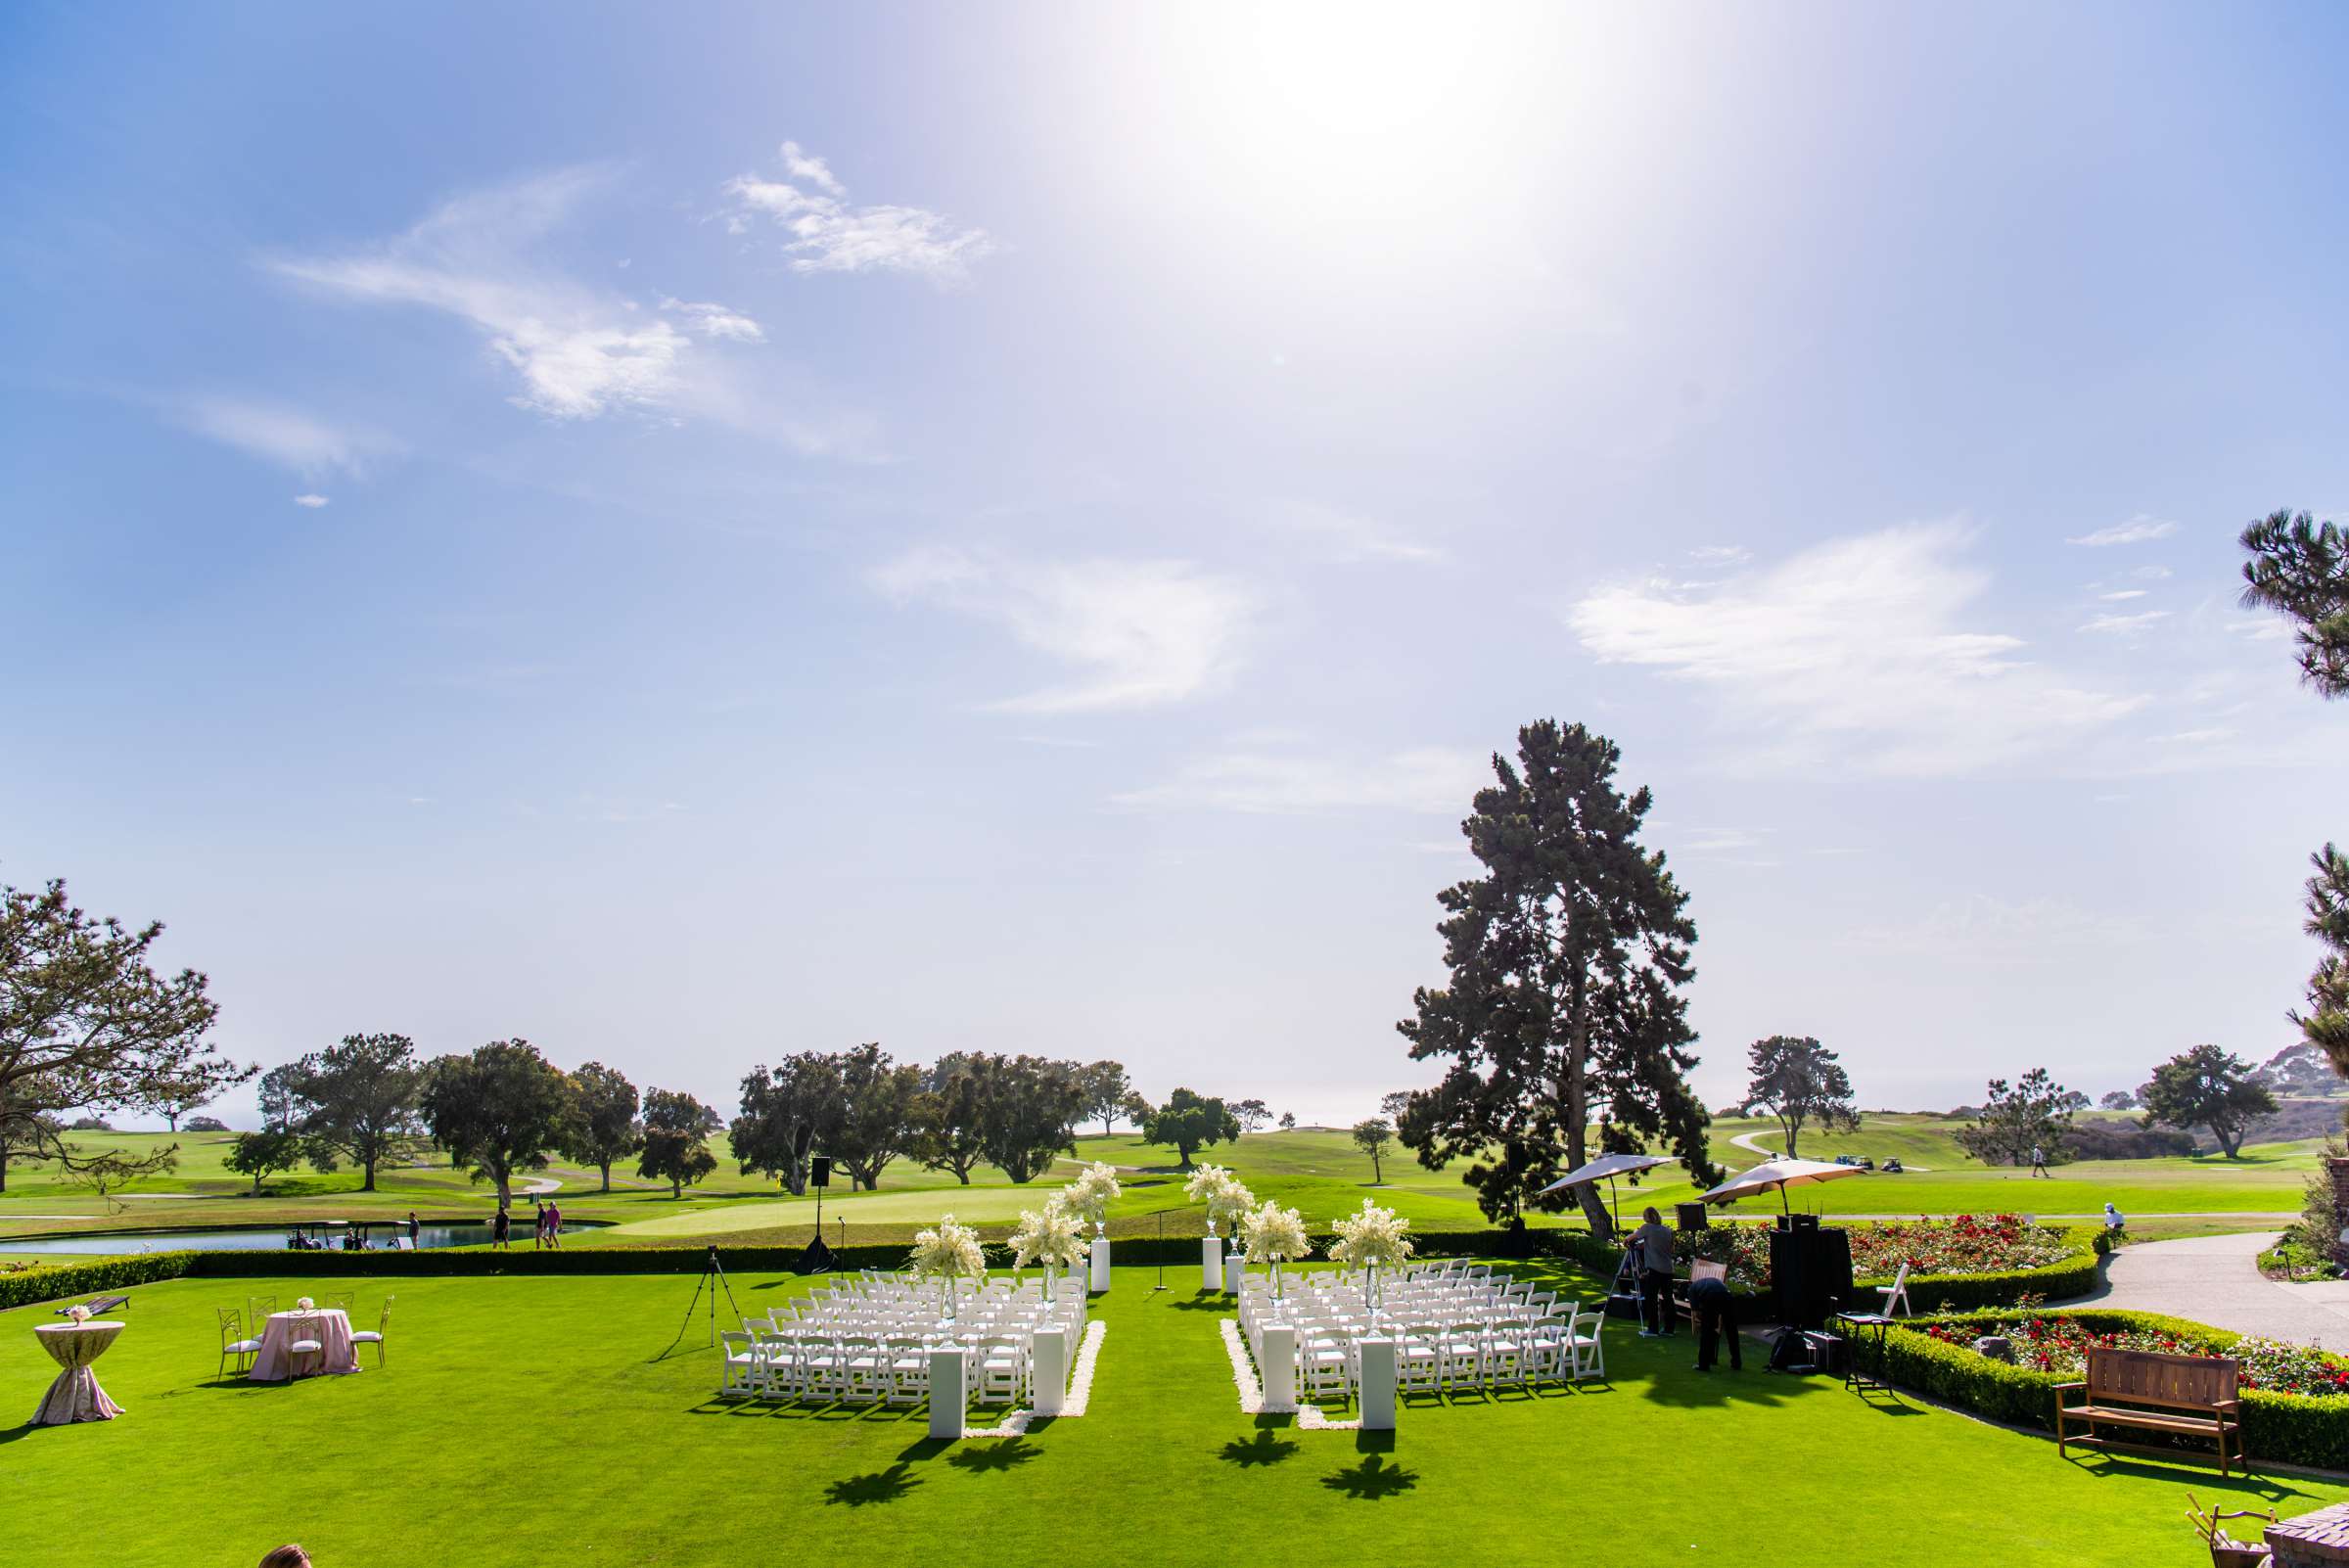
x=1715 y=1312
x=1651 y=1256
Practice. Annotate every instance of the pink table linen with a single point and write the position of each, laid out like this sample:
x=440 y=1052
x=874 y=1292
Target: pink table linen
x=329 y=1327
x=76 y=1395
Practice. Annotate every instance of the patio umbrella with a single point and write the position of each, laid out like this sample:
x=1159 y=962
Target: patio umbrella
x=1779 y=1175
x=1606 y=1167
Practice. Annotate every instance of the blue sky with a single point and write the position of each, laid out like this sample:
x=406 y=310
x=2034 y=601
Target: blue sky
x=688 y=534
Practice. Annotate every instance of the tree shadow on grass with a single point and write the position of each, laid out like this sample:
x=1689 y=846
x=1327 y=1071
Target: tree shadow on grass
x=1007 y=1453
x=1372 y=1479
x=1205 y=1302
x=881 y=1486
x=1263 y=1448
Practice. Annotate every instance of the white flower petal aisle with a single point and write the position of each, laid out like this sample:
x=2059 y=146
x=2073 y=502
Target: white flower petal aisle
x=1080 y=1392
x=1252 y=1392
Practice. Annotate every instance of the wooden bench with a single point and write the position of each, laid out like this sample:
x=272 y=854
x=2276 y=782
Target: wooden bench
x=97 y=1308
x=2193 y=1396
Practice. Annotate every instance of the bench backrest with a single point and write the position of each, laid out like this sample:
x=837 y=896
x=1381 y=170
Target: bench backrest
x=2151 y=1377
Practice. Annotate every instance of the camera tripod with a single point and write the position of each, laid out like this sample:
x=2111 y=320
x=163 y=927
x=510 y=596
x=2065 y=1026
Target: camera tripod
x=712 y=1271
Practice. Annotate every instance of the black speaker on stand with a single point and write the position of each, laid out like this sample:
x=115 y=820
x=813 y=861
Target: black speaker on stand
x=1810 y=1273
x=817 y=1259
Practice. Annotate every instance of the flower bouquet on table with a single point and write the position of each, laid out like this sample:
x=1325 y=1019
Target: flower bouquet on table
x=305 y=1303
x=1277 y=1235
x=1052 y=1236
x=951 y=1253
x=1372 y=1240
x=79 y=1313
x=1089 y=1196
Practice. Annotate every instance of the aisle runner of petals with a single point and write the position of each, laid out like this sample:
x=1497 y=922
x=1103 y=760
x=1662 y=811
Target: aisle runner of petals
x=1252 y=1392
x=1080 y=1391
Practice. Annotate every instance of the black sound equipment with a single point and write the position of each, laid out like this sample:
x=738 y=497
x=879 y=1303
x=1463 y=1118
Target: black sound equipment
x=819 y=1172
x=1805 y=1222
x=1810 y=1274
x=1689 y=1215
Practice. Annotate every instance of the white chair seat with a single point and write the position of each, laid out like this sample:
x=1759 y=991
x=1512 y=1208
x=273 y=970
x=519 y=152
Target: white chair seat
x=245 y=1347
x=305 y=1347
x=366 y=1336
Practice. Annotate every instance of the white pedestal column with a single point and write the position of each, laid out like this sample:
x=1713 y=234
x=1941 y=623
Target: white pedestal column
x=1048 y=1353
x=947 y=1395
x=1276 y=1361
x=1100 y=1264
x=1378 y=1384
x=1211 y=1262
x=1233 y=1266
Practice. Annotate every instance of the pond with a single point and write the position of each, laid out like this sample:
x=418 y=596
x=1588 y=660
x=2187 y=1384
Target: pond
x=466 y=1234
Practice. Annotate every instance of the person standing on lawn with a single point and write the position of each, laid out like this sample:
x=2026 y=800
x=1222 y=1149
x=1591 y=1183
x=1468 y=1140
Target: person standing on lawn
x=2039 y=1162
x=1715 y=1312
x=1651 y=1256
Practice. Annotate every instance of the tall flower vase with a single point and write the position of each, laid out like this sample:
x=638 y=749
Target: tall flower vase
x=1276 y=1282
x=1370 y=1289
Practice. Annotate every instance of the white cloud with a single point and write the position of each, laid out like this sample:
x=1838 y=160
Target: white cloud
x=2121 y=595
x=830 y=234
x=2123 y=625
x=1345 y=536
x=313 y=500
x=715 y=322
x=1859 y=653
x=287 y=436
x=2151 y=574
x=1984 y=927
x=2139 y=529
x=1720 y=554
x=579 y=351
x=1286 y=781
x=1143 y=632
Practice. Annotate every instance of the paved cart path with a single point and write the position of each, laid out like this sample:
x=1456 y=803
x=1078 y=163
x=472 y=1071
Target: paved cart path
x=2216 y=1280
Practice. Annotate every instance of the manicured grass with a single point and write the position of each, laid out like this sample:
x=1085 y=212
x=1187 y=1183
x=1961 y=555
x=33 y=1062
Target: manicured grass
x=532 y=1421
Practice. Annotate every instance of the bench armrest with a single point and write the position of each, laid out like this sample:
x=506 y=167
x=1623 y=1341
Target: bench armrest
x=2060 y=1387
x=2227 y=1405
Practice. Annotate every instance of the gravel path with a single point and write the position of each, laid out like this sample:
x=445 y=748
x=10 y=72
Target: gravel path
x=2216 y=1280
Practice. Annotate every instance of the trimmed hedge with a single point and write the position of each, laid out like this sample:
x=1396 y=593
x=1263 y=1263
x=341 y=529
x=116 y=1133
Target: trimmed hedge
x=2280 y=1428
x=97 y=1276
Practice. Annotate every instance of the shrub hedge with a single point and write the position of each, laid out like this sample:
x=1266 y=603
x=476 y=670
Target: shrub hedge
x=95 y=1277
x=2280 y=1428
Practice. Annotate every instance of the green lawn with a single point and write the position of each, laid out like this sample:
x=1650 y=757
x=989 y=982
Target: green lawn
x=532 y=1421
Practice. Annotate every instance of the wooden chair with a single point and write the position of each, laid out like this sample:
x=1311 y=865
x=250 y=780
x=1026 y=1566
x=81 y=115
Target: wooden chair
x=2225 y=1550
x=1701 y=1268
x=2192 y=1396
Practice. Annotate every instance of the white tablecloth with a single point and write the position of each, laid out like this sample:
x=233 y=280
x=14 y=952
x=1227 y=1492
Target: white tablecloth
x=76 y=1395
x=328 y=1325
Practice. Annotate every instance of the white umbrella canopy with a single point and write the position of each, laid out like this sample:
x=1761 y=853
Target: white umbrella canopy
x=1778 y=1176
x=1606 y=1168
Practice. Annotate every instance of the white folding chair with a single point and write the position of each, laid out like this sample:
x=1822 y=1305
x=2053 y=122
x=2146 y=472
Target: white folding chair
x=1896 y=1294
x=1588 y=1346
x=908 y=1369
x=741 y=1365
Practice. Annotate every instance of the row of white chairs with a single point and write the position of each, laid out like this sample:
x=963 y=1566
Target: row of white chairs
x=1456 y=1326
x=871 y=1370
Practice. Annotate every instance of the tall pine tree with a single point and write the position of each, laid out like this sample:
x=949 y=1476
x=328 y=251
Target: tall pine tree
x=1568 y=958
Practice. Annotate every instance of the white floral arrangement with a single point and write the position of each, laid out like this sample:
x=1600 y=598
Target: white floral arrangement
x=1053 y=1236
x=951 y=1252
x=1226 y=1198
x=1371 y=1239
x=305 y=1303
x=1092 y=1192
x=1274 y=1233
x=79 y=1314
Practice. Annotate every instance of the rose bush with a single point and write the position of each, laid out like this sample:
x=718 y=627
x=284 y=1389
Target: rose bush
x=2054 y=1343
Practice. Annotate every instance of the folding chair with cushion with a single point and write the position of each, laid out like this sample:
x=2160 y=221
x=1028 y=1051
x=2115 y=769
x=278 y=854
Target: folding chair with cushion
x=867 y=1369
x=234 y=1342
x=1505 y=1351
x=1461 y=1352
x=1546 y=1345
x=375 y=1336
x=308 y=1340
x=258 y=1310
x=823 y=1373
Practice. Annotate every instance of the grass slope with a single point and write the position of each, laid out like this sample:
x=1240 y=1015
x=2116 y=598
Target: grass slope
x=530 y=1421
